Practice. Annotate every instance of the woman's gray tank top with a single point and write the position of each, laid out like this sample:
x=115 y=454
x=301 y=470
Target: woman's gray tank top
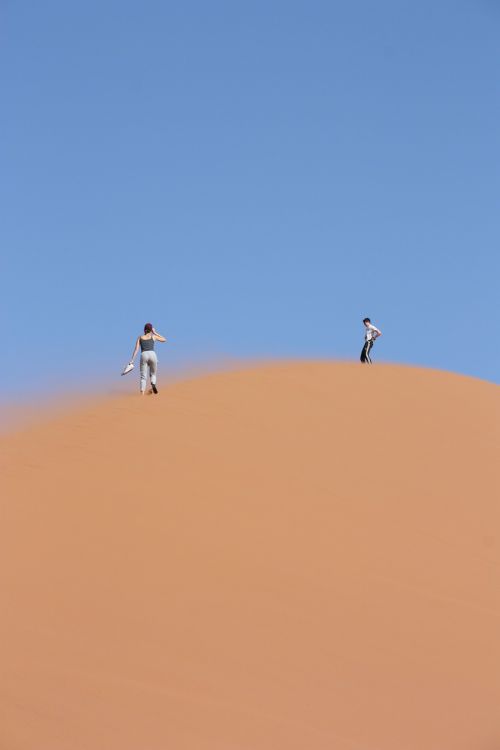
x=147 y=345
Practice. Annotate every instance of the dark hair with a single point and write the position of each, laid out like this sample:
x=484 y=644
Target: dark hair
x=148 y=328
x=366 y=320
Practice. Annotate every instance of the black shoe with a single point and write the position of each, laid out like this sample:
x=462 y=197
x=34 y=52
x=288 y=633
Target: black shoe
x=155 y=389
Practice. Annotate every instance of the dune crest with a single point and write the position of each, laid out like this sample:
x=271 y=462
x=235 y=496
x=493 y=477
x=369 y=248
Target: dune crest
x=299 y=555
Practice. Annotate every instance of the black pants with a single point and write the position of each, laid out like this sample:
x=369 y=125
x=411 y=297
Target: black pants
x=365 y=352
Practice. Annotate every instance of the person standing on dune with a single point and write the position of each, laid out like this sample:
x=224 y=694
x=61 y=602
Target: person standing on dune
x=371 y=334
x=146 y=343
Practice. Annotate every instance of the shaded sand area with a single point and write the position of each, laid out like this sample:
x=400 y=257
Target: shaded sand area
x=293 y=556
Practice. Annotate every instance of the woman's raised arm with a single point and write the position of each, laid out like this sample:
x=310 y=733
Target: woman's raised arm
x=158 y=336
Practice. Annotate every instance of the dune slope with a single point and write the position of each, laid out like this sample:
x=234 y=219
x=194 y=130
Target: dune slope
x=299 y=555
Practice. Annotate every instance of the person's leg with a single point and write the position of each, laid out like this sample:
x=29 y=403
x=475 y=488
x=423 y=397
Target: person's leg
x=153 y=364
x=363 y=353
x=144 y=371
x=368 y=350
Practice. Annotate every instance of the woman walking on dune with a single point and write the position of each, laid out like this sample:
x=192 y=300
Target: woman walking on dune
x=146 y=343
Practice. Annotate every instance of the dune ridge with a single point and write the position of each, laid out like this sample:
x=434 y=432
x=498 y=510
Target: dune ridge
x=295 y=555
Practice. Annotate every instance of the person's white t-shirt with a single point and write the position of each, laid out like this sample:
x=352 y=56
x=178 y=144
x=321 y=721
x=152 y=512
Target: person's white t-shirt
x=370 y=332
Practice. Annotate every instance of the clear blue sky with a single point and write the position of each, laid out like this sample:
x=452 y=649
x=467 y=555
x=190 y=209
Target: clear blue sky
x=252 y=177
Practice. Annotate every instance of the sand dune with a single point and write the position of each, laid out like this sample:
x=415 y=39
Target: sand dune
x=290 y=556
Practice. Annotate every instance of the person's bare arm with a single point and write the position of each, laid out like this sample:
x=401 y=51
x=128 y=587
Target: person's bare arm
x=158 y=336
x=136 y=349
x=377 y=332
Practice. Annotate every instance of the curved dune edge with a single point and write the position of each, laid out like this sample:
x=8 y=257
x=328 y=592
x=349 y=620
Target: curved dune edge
x=299 y=555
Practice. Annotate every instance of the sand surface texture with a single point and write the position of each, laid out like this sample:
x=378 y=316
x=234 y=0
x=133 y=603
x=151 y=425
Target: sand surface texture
x=296 y=556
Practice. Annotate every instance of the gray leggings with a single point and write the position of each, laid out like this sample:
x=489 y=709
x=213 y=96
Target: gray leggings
x=148 y=360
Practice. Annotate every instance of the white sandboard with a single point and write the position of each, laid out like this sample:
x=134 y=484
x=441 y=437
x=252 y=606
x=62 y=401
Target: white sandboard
x=128 y=368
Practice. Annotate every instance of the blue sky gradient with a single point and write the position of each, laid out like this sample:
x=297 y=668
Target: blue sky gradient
x=252 y=177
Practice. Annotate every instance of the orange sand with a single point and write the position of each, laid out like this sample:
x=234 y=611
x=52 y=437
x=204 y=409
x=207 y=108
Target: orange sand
x=295 y=556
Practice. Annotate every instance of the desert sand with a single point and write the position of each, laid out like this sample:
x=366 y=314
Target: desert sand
x=294 y=555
